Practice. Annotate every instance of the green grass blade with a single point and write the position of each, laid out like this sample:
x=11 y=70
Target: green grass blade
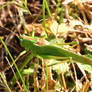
x=62 y=15
x=26 y=61
x=47 y=7
x=44 y=17
x=5 y=82
x=24 y=2
x=8 y=3
x=45 y=4
x=29 y=57
x=26 y=7
x=46 y=78
x=25 y=89
x=57 y=8
x=43 y=8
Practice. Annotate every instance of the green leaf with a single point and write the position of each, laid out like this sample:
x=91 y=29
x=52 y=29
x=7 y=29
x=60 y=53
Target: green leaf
x=56 y=65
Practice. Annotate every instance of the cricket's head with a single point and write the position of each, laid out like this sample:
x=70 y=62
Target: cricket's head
x=27 y=44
